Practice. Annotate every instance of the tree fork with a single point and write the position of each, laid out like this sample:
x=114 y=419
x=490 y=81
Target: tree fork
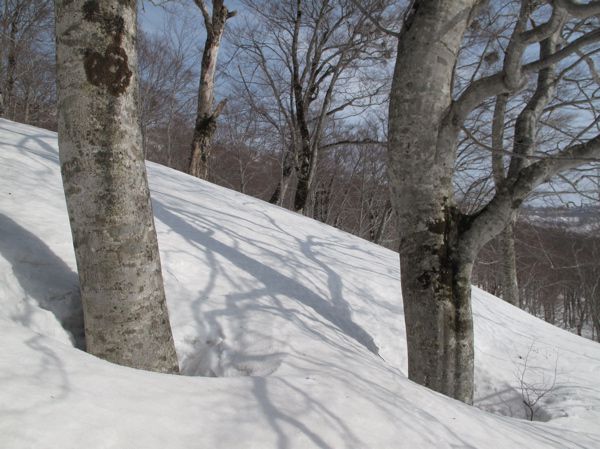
x=206 y=119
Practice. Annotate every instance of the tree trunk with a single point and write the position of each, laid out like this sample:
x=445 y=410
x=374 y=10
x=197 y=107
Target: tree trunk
x=287 y=167
x=435 y=273
x=510 y=286
x=3 y=46
x=104 y=176
x=200 y=154
x=438 y=244
x=11 y=65
x=206 y=118
x=306 y=154
x=384 y=218
x=304 y=184
x=304 y=159
x=436 y=288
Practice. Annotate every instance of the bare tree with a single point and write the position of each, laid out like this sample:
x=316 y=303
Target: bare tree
x=168 y=92
x=534 y=385
x=104 y=177
x=317 y=60
x=206 y=117
x=558 y=266
x=439 y=243
x=27 y=62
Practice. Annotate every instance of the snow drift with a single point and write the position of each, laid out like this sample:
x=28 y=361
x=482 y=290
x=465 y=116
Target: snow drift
x=290 y=333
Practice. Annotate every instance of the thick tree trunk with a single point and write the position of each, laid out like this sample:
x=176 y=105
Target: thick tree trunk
x=435 y=275
x=306 y=156
x=204 y=129
x=436 y=291
x=438 y=245
x=104 y=176
x=304 y=184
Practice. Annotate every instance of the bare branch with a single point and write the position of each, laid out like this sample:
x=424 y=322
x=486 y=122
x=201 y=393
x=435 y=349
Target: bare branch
x=498 y=140
x=352 y=142
x=374 y=21
x=564 y=52
x=495 y=84
x=207 y=20
x=579 y=10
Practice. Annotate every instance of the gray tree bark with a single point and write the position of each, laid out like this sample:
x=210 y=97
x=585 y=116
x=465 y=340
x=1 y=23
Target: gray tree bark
x=509 y=284
x=3 y=46
x=307 y=150
x=435 y=275
x=206 y=118
x=8 y=90
x=104 y=177
x=287 y=168
x=438 y=244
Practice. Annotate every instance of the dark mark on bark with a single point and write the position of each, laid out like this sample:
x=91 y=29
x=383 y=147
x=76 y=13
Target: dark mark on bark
x=425 y=279
x=437 y=227
x=113 y=24
x=91 y=9
x=206 y=126
x=110 y=70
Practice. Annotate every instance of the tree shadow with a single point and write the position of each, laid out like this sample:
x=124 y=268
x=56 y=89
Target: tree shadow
x=274 y=280
x=33 y=143
x=43 y=276
x=46 y=362
x=276 y=417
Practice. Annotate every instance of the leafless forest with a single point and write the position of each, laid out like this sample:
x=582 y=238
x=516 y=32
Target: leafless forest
x=300 y=120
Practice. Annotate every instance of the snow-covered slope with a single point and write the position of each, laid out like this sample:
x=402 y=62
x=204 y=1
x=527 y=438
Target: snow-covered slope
x=291 y=334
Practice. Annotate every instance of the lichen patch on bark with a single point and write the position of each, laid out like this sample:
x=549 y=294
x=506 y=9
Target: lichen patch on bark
x=110 y=70
x=112 y=24
x=90 y=9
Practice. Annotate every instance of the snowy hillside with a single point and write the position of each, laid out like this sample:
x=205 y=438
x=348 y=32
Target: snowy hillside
x=291 y=334
x=581 y=220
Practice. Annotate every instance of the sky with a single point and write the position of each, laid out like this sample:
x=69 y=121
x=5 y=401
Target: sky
x=153 y=15
x=154 y=19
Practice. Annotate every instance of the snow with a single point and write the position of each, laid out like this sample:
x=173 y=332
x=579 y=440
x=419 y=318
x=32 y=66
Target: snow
x=290 y=333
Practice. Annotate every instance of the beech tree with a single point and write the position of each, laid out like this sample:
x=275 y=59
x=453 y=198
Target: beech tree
x=438 y=242
x=168 y=91
x=27 y=62
x=206 y=117
x=313 y=62
x=106 y=189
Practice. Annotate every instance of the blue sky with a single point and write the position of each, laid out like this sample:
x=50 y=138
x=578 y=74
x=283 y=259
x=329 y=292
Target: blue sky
x=153 y=17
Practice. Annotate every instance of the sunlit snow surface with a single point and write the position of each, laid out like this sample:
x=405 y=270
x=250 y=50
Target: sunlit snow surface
x=296 y=328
